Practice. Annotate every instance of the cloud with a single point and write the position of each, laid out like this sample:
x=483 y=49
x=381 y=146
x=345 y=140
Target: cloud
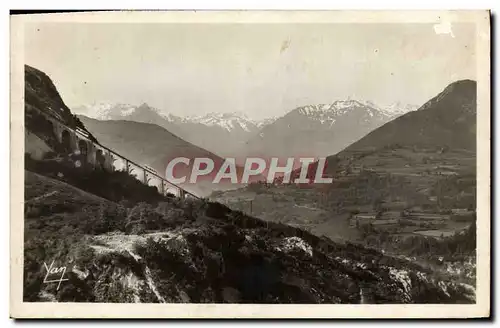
x=444 y=28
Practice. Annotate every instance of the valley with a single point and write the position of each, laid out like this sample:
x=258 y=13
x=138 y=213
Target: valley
x=396 y=225
x=408 y=187
x=413 y=194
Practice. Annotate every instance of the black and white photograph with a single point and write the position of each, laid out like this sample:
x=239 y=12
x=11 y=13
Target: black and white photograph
x=251 y=158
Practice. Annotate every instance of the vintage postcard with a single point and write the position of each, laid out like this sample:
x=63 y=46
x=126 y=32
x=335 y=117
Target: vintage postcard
x=250 y=164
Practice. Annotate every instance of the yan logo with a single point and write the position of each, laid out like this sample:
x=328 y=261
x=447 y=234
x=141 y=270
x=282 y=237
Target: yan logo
x=53 y=273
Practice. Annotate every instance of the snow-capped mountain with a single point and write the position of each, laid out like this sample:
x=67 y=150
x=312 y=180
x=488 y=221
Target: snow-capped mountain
x=227 y=121
x=338 y=107
x=266 y=121
x=448 y=119
x=329 y=113
x=320 y=129
x=230 y=121
x=222 y=133
x=227 y=131
x=106 y=111
x=394 y=109
x=326 y=113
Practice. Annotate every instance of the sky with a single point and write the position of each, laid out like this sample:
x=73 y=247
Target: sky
x=263 y=70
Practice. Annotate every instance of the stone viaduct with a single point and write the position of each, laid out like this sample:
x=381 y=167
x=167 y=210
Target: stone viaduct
x=78 y=144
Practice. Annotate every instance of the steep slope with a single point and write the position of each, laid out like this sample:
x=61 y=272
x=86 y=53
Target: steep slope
x=201 y=252
x=154 y=146
x=407 y=181
x=449 y=119
x=144 y=142
x=41 y=93
x=317 y=130
x=41 y=96
x=425 y=158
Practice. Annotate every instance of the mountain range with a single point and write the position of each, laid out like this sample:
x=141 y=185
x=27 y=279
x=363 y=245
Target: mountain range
x=448 y=119
x=404 y=179
x=127 y=243
x=227 y=131
x=431 y=152
x=318 y=128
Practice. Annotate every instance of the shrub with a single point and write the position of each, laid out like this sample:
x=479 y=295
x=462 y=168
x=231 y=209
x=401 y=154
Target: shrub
x=115 y=186
x=144 y=216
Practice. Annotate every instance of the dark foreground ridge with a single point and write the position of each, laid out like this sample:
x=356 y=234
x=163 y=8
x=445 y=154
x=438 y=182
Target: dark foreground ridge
x=197 y=251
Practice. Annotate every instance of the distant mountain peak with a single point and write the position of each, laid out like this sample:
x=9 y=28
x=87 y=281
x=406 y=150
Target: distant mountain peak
x=329 y=113
x=120 y=111
x=228 y=121
x=464 y=82
x=448 y=119
x=462 y=95
x=227 y=115
x=105 y=111
x=340 y=107
x=395 y=109
x=144 y=106
x=461 y=88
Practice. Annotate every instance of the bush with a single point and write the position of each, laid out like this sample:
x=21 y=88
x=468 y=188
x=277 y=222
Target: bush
x=115 y=186
x=143 y=217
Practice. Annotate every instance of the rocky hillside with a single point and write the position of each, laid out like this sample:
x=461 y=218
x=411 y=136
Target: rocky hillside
x=41 y=96
x=41 y=93
x=175 y=251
